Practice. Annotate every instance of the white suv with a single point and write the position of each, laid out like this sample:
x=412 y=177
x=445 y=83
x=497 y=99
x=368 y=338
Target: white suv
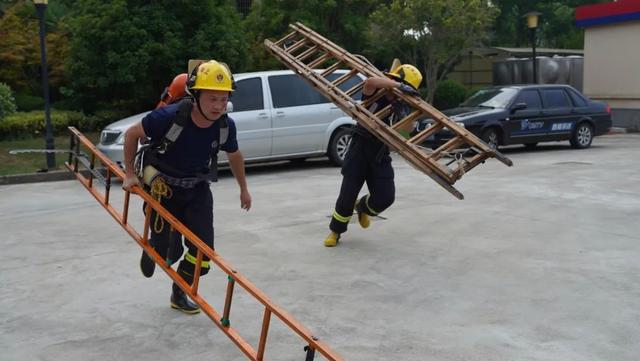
x=278 y=116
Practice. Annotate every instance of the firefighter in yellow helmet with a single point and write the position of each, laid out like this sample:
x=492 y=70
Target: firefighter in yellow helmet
x=368 y=159
x=179 y=163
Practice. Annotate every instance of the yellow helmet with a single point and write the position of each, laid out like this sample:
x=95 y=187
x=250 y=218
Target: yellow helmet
x=211 y=75
x=407 y=73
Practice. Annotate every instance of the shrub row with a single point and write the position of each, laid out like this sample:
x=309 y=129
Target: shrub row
x=29 y=124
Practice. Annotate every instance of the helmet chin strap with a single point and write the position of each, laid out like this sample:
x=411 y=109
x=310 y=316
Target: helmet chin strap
x=197 y=98
x=202 y=113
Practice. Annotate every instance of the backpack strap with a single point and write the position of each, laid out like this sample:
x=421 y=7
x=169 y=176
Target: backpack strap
x=224 y=131
x=183 y=115
x=222 y=139
x=182 y=118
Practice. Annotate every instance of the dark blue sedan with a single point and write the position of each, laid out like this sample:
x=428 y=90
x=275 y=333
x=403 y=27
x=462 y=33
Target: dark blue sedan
x=528 y=114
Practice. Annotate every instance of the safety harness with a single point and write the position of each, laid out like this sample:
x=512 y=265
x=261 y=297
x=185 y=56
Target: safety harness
x=149 y=166
x=151 y=169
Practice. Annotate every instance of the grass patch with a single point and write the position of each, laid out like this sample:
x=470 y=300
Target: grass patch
x=32 y=162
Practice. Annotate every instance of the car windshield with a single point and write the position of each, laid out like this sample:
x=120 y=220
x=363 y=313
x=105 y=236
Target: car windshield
x=491 y=98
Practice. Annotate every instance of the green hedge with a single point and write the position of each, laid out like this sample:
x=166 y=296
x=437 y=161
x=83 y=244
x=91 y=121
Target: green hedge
x=449 y=94
x=29 y=124
x=26 y=102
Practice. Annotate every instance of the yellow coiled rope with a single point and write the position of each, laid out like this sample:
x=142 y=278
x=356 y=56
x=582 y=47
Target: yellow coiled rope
x=159 y=189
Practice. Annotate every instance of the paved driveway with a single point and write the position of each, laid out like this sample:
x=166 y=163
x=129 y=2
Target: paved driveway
x=539 y=262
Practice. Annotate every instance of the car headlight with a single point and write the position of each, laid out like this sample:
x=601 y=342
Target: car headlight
x=110 y=136
x=120 y=140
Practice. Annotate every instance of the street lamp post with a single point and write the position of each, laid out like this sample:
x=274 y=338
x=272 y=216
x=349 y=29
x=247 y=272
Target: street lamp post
x=41 y=6
x=532 y=24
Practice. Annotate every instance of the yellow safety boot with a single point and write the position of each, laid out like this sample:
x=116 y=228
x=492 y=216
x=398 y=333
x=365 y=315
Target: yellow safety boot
x=332 y=239
x=363 y=218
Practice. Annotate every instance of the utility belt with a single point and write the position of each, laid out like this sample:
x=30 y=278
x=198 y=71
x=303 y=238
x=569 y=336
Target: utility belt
x=151 y=173
x=148 y=167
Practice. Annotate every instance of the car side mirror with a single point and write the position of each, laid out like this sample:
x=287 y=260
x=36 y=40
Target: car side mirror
x=518 y=106
x=229 y=107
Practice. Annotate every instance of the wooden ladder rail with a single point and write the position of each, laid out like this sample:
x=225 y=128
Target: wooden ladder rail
x=322 y=51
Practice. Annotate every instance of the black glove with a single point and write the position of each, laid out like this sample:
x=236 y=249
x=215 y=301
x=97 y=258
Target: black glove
x=407 y=89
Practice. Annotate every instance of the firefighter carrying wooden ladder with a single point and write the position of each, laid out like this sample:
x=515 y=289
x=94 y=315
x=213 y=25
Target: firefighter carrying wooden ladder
x=89 y=165
x=314 y=57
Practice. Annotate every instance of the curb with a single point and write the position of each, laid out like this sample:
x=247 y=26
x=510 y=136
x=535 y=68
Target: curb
x=53 y=176
x=617 y=130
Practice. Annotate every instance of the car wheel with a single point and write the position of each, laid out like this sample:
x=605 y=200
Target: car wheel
x=339 y=145
x=490 y=136
x=582 y=136
x=531 y=146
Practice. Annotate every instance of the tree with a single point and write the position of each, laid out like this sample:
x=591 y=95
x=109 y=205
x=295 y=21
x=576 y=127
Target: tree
x=430 y=34
x=556 y=23
x=343 y=22
x=124 y=52
x=20 y=49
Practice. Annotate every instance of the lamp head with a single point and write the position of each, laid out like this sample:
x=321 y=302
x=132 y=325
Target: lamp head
x=532 y=19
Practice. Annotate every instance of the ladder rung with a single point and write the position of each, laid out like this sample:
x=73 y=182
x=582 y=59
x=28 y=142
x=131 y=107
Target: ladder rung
x=383 y=113
x=307 y=53
x=425 y=133
x=446 y=147
x=355 y=89
x=289 y=36
x=296 y=46
x=227 y=302
x=197 y=272
x=406 y=120
x=263 y=333
x=367 y=103
x=331 y=69
x=324 y=57
x=344 y=77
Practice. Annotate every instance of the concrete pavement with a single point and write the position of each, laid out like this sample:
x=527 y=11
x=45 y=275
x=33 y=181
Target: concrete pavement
x=539 y=262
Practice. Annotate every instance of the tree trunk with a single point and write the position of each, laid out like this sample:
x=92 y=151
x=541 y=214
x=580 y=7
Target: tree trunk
x=430 y=72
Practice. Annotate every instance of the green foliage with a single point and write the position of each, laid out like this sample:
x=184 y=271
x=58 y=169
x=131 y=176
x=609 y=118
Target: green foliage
x=429 y=33
x=7 y=102
x=26 y=102
x=449 y=93
x=20 y=65
x=343 y=22
x=125 y=52
x=28 y=124
x=101 y=118
x=556 y=28
x=31 y=162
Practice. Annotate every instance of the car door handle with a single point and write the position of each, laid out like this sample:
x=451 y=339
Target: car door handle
x=263 y=116
x=280 y=114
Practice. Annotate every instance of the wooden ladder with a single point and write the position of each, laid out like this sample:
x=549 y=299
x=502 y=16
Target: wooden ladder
x=314 y=58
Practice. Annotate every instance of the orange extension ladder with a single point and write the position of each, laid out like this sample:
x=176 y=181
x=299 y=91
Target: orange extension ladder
x=314 y=57
x=83 y=156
